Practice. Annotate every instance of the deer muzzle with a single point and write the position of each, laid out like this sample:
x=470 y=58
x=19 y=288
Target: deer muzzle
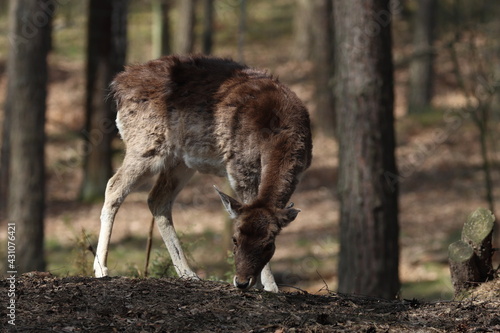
x=243 y=284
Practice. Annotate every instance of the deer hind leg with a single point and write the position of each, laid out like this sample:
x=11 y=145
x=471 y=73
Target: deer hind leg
x=160 y=202
x=128 y=176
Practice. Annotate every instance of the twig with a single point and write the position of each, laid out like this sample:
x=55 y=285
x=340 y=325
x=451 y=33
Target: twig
x=89 y=247
x=326 y=284
x=148 y=246
x=293 y=287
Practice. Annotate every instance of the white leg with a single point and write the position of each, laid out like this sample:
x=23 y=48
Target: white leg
x=118 y=187
x=267 y=279
x=160 y=201
x=100 y=260
x=174 y=248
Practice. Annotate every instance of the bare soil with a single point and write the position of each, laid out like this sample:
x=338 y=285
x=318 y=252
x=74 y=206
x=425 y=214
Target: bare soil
x=73 y=304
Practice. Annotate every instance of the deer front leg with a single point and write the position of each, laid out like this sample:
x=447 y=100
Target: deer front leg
x=267 y=279
x=100 y=260
x=160 y=201
x=118 y=187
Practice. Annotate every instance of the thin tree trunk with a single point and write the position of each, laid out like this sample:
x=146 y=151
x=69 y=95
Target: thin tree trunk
x=185 y=27
x=421 y=66
x=5 y=139
x=30 y=33
x=208 y=31
x=323 y=66
x=161 y=29
x=303 y=32
x=369 y=251
x=242 y=30
x=105 y=57
x=4 y=5
x=483 y=133
x=5 y=158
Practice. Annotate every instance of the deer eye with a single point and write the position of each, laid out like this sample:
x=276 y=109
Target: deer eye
x=235 y=242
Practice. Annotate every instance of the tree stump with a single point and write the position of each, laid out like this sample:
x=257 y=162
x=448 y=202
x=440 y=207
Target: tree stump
x=470 y=257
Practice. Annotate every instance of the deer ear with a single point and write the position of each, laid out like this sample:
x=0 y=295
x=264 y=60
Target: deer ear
x=232 y=205
x=287 y=215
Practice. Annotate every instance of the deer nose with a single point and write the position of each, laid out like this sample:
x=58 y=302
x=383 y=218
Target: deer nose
x=242 y=285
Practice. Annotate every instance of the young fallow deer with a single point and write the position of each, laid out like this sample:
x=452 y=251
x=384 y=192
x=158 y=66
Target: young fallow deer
x=181 y=114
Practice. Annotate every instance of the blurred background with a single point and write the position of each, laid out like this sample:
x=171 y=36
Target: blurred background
x=446 y=56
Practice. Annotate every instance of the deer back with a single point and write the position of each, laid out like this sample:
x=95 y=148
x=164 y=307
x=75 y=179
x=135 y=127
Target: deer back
x=220 y=117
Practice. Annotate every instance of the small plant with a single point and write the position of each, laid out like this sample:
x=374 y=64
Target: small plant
x=161 y=266
x=81 y=253
x=133 y=271
x=228 y=276
x=81 y=261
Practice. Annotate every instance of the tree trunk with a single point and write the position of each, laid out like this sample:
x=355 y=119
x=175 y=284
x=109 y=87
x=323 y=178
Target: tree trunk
x=421 y=66
x=161 y=28
x=208 y=21
x=30 y=33
x=303 y=32
x=4 y=5
x=185 y=27
x=105 y=57
x=369 y=251
x=323 y=66
x=242 y=31
x=5 y=158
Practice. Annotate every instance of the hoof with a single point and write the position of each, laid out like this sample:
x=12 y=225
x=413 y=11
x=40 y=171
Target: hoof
x=101 y=272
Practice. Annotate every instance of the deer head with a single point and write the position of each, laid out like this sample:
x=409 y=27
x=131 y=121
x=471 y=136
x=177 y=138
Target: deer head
x=255 y=229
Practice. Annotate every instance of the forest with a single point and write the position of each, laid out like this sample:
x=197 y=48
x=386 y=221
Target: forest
x=398 y=224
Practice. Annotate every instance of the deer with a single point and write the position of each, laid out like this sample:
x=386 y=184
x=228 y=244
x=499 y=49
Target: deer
x=178 y=115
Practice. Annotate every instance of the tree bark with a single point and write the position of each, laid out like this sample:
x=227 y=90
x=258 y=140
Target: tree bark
x=242 y=30
x=303 y=22
x=30 y=36
x=323 y=58
x=421 y=66
x=208 y=22
x=161 y=28
x=4 y=5
x=369 y=251
x=462 y=266
x=106 y=50
x=185 y=27
x=5 y=140
x=471 y=257
x=5 y=158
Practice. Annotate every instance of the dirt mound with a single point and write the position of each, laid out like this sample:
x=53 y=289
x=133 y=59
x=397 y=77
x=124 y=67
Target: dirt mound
x=72 y=304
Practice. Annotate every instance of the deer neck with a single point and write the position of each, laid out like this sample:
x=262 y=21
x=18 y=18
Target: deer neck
x=279 y=177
